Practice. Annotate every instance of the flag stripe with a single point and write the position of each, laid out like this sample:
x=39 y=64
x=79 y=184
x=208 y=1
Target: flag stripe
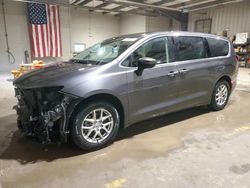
x=40 y=43
x=52 y=31
x=60 y=35
x=35 y=40
x=58 y=32
x=31 y=41
x=45 y=30
x=55 y=32
x=45 y=41
x=48 y=33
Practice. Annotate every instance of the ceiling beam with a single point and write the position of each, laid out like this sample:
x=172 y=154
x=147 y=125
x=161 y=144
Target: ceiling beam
x=82 y=2
x=141 y=5
x=198 y=3
x=210 y=5
x=118 y=8
x=52 y=2
x=160 y=10
x=104 y=4
x=66 y=4
x=163 y=2
x=141 y=12
x=72 y=1
x=141 y=8
x=148 y=9
x=134 y=11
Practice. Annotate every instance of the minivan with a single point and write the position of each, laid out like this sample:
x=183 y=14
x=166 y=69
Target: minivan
x=121 y=81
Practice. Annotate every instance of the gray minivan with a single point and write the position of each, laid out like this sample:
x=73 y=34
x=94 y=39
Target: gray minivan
x=123 y=80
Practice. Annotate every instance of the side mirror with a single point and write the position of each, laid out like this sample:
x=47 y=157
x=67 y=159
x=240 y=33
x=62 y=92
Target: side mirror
x=145 y=63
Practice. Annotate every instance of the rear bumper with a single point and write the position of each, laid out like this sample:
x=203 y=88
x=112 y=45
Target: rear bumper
x=233 y=84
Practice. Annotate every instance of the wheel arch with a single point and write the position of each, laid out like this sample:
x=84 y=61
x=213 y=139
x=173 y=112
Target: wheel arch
x=226 y=78
x=99 y=97
x=212 y=104
x=223 y=77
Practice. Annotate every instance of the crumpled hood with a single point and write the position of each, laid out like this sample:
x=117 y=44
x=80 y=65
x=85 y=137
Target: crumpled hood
x=56 y=74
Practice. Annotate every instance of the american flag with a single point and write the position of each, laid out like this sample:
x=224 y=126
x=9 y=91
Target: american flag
x=44 y=26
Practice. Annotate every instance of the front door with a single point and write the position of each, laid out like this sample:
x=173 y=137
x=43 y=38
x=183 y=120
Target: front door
x=155 y=90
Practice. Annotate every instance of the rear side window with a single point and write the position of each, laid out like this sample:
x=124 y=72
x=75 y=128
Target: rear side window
x=218 y=47
x=188 y=48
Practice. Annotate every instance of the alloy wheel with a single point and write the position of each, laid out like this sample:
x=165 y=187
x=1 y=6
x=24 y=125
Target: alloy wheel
x=221 y=95
x=97 y=125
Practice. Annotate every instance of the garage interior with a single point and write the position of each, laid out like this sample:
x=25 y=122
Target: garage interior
x=191 y=148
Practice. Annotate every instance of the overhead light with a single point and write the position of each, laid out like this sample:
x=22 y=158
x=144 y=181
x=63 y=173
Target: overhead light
x=128 y=8
x=152 y=1
x=215 y=5
x=111 y=6
x=79 y=2
x=94 y=3
x=72 y=1
x=176 y=2
x=184 y=10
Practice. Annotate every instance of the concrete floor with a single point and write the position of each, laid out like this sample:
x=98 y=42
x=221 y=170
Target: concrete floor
x=192 y=148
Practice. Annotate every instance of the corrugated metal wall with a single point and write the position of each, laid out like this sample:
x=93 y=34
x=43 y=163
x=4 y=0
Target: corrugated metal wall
x=234 y=17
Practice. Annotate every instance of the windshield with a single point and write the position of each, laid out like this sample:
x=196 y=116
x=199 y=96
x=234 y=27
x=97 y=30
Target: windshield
x=104 y=52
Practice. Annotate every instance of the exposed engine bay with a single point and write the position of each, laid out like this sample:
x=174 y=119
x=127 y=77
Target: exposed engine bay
x=43 y=113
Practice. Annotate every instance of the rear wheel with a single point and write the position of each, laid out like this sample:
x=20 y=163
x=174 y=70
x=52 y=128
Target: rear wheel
x=220 y=95
x=95 y=126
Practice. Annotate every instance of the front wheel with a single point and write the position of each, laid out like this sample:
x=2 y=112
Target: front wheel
x=220 y=95
x=95 y=126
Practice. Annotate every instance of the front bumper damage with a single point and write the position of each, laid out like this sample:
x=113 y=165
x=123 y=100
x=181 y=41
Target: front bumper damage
x=44 y=113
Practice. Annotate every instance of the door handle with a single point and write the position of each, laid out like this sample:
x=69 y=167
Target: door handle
x=183 y=71
x=173 y=73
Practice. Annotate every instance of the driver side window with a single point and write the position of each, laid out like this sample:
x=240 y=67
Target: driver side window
x=156 y=49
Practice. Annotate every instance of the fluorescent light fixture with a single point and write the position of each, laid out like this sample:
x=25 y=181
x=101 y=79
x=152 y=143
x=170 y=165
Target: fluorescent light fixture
x=128 y=8
x=111 y=6
x=79 y=2
x=152 y=1
x=198 y=3
x=94 y=3
x=176 y=2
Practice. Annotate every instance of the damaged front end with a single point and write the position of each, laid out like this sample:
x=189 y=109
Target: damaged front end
x=43 y=113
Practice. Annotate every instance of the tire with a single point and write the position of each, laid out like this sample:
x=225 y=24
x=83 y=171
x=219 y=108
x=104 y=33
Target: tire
x=85 y=121
x=217 y=105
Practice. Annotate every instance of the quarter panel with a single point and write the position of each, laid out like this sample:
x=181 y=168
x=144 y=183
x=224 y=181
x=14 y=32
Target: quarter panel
x=196 y=86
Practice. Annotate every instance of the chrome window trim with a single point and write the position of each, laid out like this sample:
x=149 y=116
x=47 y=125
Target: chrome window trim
x=138 y=46
x=176 y=62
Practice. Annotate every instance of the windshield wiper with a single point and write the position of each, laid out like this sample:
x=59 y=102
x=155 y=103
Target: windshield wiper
x=79 y=61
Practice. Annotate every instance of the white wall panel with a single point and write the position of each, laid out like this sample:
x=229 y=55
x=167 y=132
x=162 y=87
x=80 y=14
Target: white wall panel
x=161 y=23
x=132 y=24
x=18 y=34
x=235 y=17
x=91 y=28
x=75 y=27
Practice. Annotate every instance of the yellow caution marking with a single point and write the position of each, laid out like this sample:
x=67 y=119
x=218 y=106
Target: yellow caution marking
x=237 y=131
x=241 y=129
x=116 y=183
